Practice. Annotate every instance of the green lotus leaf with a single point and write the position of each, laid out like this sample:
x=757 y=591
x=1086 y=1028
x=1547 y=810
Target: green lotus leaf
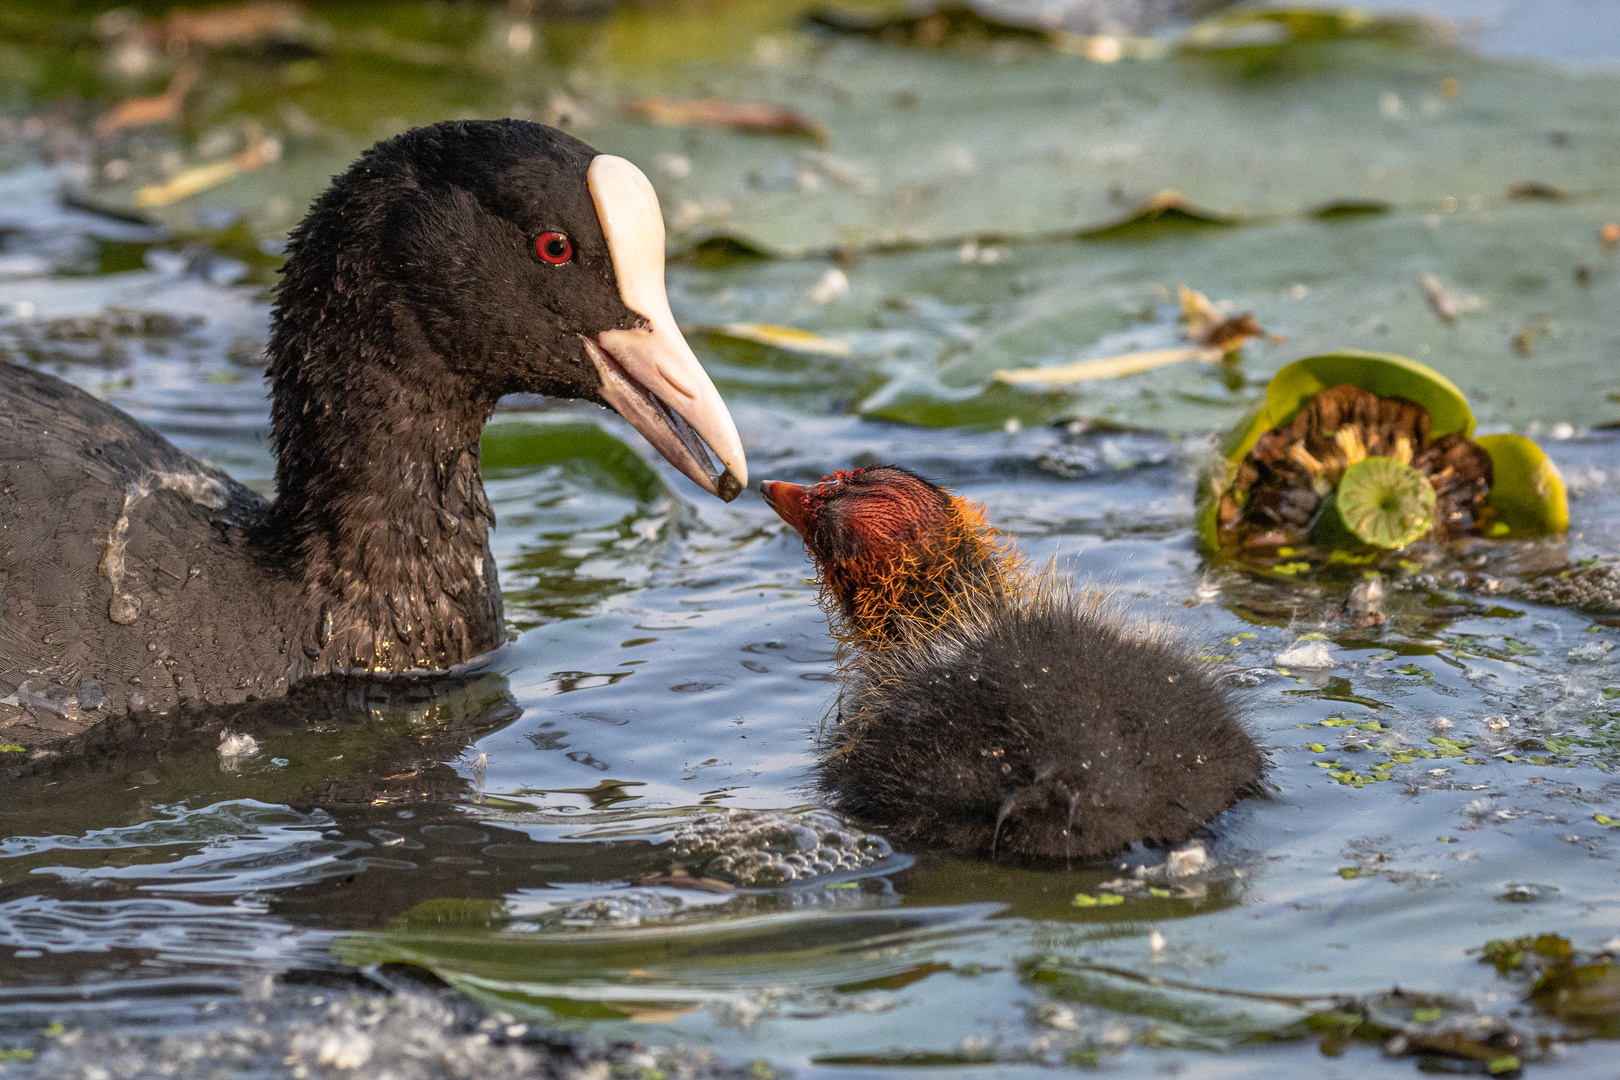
x=1527 y=492
x=1386 y=374
x=1527 y=495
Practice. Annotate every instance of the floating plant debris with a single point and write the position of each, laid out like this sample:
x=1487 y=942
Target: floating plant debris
x=262 y=151
x=1354 y=454
x=1579 y=988
x=164 y=108
x=787 y=338
x=1214 y=335
x=742 y=116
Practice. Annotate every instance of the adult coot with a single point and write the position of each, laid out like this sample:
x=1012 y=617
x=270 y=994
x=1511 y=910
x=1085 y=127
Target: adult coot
x=990 y=710
x=449 y=266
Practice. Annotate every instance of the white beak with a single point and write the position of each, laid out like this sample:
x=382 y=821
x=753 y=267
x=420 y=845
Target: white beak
x=650 y=375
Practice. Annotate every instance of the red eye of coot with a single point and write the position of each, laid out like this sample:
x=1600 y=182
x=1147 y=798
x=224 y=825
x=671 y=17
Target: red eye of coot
x=554 y=248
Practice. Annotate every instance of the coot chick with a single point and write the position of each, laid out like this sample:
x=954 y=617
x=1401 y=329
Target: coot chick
x=989 y=710
x=449 y=266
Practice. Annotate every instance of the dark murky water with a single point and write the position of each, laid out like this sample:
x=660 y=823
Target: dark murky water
x=1448 y=780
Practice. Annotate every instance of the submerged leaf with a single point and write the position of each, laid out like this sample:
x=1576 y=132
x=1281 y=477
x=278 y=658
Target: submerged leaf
x=512 y=448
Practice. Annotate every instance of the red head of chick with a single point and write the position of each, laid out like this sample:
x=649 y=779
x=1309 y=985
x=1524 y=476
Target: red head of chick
x=991 y=711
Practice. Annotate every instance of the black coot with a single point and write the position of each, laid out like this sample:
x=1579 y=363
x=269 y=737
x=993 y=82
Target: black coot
x=449 y=266
x=987 y=710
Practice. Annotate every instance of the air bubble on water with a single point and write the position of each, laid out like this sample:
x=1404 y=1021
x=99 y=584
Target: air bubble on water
x=1058 y=1016
x=1591 y=651
x=766 y=849
x=1310 y=654
x=234 y=750
x=1187 y=861
x=405 y=1036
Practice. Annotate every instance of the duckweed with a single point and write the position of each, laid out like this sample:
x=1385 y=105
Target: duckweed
x=1450 y=748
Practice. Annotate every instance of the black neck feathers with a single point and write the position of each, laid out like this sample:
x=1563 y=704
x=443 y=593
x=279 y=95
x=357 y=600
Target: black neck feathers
x=381 y=515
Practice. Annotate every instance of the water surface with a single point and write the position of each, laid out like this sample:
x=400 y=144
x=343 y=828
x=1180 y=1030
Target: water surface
x=513 y=832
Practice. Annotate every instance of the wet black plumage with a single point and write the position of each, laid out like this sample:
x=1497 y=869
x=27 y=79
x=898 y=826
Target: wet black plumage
x=1044 y=728
x=1028 y=720
x=133 y=576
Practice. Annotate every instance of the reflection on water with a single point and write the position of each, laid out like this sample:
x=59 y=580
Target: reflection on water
x=607 y=826
x=525 y=831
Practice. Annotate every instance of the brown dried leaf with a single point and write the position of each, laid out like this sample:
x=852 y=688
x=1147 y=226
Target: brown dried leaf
x=226 y=25
x=141 y=112
x=1210 y=327
x=261 y=151
x=744 y=116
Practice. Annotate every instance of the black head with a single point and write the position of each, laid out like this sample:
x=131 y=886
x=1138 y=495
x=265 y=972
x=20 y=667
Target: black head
x=519 y=260
x=490 y=237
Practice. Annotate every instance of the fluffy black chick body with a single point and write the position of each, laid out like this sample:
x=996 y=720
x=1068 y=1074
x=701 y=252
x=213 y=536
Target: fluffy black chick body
x=1045 y=727
x=1022 y=718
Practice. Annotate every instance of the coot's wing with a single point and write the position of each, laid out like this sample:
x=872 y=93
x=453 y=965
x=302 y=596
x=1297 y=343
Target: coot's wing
x=125 y=568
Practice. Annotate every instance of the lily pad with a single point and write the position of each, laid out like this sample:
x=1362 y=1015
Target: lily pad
x=512 y=448
x=1017 y=153
x=1165 y=210
x=932 y=147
